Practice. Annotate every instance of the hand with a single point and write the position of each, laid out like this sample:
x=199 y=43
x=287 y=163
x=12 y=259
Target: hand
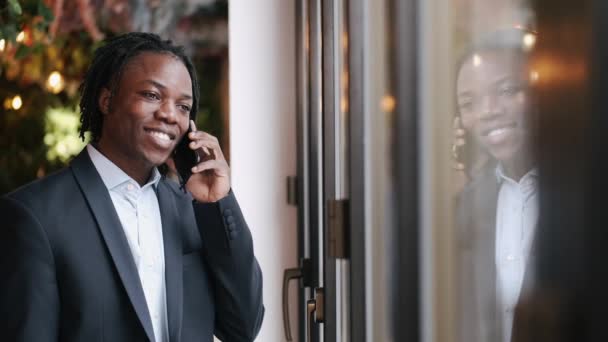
x=210 y=180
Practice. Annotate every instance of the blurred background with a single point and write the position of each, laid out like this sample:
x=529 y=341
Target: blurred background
x=45 y=49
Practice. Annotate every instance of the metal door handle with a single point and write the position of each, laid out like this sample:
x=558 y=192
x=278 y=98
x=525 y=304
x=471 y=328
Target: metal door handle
x=311 y=306
x=290 y=273
x=315 y=311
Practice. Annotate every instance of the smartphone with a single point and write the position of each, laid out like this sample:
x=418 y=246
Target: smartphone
x=185 y=158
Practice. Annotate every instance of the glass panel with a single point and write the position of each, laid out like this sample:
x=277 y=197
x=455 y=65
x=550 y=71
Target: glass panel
x=495 y=178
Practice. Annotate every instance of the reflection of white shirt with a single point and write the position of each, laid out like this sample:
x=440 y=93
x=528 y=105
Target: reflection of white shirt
x=139 y=213
x=516 y=218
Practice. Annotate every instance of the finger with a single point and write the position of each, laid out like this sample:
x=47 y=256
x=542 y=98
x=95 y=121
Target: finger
x=192 y=125
x=209 y=147
x=195 y=135
x=211 y=144
x=212 y=164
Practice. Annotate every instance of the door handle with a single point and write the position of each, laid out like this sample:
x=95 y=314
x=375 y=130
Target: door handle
x=315 y=309
x=289 y=274
x=304 y=273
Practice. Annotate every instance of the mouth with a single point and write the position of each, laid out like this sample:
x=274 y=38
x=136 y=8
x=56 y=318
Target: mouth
x=498 y=134
x=498 y=130
x=161 y=137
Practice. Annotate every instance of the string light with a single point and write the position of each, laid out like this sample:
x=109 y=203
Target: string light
x=17 y=102
x=20 y=37
x=55 y=83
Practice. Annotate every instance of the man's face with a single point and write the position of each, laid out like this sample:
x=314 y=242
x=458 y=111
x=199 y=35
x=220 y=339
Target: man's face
x=494 y=103
x=149 y=112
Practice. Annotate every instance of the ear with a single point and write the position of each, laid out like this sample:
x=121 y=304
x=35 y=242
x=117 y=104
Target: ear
x=104 y=100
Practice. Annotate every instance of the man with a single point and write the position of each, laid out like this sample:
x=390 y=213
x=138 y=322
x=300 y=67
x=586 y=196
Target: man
x=497 y=211
x=108 y=249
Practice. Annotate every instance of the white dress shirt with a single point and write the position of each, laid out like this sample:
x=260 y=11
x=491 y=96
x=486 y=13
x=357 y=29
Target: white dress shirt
x=139 y=213
x=516 y=218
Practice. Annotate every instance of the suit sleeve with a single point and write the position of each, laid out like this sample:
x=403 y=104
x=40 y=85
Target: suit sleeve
x=237 y=276
x=29 y=301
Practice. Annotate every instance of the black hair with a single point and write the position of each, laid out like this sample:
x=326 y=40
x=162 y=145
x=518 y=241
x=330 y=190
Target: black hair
x=106 y=71
x=510 y=40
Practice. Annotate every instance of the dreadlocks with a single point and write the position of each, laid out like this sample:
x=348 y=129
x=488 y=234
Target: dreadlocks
x=107 y=68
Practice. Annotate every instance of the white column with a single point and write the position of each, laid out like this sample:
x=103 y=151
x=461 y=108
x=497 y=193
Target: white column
x=263 y=140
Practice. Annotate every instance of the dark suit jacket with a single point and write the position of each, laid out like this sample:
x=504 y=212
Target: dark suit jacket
x=67 y=273
x=476 y=230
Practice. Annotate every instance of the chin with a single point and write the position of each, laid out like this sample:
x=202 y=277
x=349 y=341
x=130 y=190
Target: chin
x=506 y=155
x=157 y=159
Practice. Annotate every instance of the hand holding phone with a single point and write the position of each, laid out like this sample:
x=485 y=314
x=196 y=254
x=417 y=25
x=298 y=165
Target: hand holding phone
x=202 y=165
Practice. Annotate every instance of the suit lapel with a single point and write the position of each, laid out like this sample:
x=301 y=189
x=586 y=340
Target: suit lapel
x=99 y=201
x=485 y=200
x=173 y=259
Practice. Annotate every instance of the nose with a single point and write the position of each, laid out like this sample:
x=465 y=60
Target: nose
x=167 y=112
x=489 y=107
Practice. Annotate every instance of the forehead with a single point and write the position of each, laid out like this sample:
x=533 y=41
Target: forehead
x=159 y=67
x=488 y=67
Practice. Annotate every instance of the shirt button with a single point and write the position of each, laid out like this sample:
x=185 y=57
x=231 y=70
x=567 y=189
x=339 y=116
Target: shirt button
x=510 y=257
x=130 y=187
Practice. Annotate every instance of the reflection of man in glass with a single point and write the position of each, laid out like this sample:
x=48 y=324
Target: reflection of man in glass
x=498 y=209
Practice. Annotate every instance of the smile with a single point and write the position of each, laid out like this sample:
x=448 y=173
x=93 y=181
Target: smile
x=498 y=130
x=160 y=134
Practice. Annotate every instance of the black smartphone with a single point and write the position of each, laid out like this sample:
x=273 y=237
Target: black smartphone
x=185 y=158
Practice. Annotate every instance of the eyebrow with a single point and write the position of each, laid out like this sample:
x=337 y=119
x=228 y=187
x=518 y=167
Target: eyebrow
x=498 y=82
x=161 y=86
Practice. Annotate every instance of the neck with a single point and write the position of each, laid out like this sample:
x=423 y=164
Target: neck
x=518 y=167
x=134 y=168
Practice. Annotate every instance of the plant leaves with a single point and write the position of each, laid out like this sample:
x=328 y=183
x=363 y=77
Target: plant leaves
x=22 y=51
x=8 y=32
x=45 y=12
x=14 y=7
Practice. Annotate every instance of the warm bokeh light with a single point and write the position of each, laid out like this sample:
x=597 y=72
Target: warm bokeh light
x=20 y=37
x=388 y=103
x=476 y=60
x=55 y=83
x=529 y=41
x=2 y=44
x=16 y=103
x=534 y=76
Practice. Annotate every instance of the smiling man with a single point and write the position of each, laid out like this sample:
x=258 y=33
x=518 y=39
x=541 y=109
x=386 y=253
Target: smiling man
x=497 y=212
x=110 y=250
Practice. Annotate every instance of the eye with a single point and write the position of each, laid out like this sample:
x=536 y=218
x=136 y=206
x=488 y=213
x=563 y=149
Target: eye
x=150 y=95
x=184 y=108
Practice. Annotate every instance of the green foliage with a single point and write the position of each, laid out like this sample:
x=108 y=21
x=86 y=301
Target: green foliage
x=15 y=16
x=41 y=136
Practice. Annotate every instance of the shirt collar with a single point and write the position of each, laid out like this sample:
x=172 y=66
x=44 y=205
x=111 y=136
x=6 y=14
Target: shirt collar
x=113 y=176
x=501 y=176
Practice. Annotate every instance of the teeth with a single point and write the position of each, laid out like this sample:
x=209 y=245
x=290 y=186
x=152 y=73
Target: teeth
x=160 y=135
x=497 y=131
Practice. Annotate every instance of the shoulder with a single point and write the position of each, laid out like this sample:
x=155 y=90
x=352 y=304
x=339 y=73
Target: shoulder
x=45 y=191
x=174 y=189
